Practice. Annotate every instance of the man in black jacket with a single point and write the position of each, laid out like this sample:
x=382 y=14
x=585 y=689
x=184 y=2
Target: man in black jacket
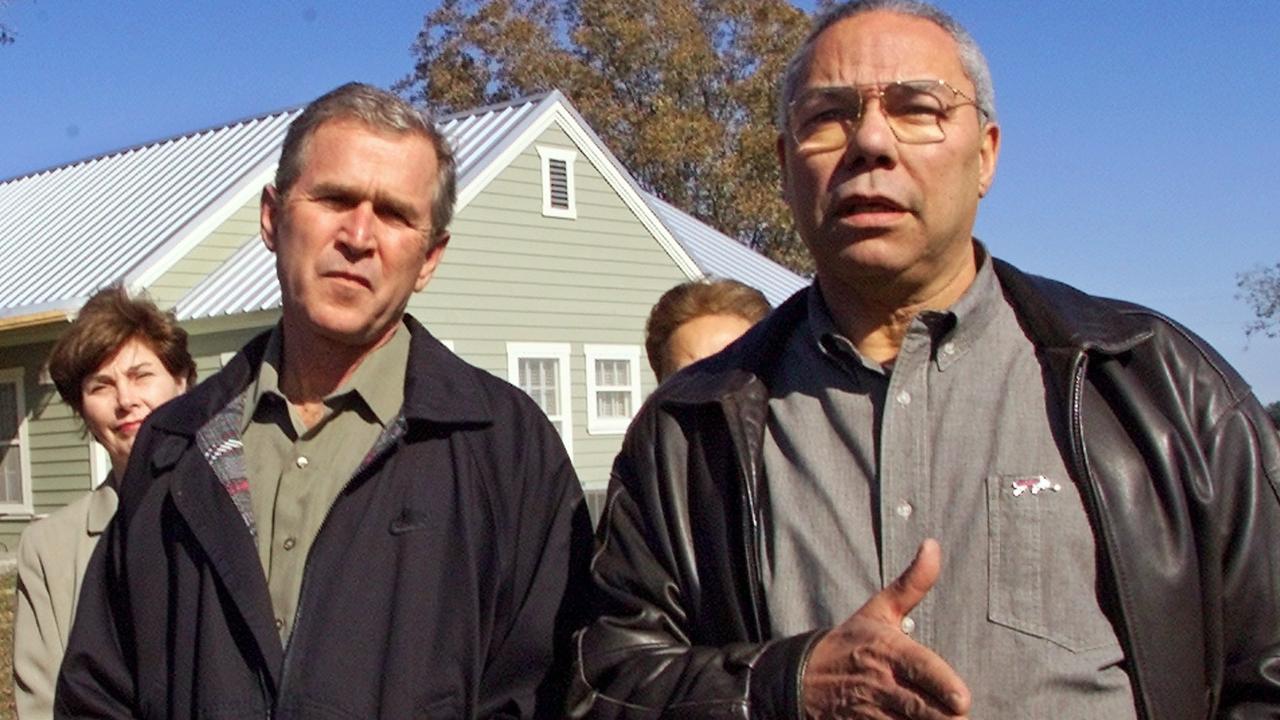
x=1103 y=486
x=348 y=520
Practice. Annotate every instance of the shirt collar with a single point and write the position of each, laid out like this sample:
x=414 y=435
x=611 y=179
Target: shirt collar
x=953 y=330
x=969 y=317
x=378 y=381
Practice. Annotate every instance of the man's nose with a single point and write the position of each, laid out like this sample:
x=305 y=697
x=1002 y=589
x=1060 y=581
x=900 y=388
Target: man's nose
x=359 y=226
x=871 y=141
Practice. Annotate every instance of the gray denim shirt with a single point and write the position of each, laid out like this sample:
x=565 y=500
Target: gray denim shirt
x=954 y=443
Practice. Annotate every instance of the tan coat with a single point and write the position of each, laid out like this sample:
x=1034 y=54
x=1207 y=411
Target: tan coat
x=52 y=555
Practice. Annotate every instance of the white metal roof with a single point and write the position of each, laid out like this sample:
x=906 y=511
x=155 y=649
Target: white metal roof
x=70 y=230
x=126 y=216
x=721 y=256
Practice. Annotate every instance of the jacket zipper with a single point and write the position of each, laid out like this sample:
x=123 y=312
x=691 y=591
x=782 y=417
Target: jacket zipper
x=1079 y=363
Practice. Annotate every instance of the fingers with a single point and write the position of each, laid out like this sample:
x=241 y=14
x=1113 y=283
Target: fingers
x=929 y=678
x=840 y=696
x=897 y=600
x=867 y=668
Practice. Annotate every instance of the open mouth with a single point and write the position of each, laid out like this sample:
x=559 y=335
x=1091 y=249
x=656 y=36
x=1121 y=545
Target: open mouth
x=867 y=211
x=873 y=206
x=865 y=205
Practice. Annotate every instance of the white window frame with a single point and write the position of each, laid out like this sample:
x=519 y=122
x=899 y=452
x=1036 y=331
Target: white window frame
x=17 y=376
x=546 y=155
x=597 y=425
x=517 y=351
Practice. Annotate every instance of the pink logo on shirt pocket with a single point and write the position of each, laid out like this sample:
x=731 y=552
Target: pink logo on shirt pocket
x=1034 y=484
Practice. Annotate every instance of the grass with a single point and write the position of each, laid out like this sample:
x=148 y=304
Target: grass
x=7 y=581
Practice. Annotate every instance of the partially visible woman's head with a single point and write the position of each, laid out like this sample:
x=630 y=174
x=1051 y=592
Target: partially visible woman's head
x=697 y=319
x=120 y=359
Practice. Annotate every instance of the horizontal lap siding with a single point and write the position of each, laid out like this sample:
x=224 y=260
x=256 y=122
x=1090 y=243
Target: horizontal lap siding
x=512 y=275
x=59 y=451
x=509 y=275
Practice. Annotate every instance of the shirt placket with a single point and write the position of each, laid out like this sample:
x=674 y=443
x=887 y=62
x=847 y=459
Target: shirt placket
x=290 y=542
x=904 y=471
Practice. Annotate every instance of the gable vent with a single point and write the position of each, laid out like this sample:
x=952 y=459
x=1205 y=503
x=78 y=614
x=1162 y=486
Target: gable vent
x=558 y=180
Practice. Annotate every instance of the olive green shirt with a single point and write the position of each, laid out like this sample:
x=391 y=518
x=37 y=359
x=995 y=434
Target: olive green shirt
x=296 y=473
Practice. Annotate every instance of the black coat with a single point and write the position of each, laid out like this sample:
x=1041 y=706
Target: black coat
x=1177 y=464
x=440 y=585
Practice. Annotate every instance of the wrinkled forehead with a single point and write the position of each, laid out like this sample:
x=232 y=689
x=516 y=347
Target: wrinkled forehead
x=880 y=46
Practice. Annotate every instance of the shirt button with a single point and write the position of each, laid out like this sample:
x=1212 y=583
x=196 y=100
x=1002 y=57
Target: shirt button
x=279 y=624
x=949 y=348
x=904 y=397
x=904 y=510
x=908 y=625
x=302 y=461
x=289 y=543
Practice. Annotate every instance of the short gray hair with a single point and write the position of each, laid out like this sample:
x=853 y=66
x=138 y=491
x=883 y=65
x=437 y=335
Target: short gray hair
x=379 y=110
x=971 y=57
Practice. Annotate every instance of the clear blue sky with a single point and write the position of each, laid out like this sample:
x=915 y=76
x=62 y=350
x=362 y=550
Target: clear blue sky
x=1141 y=153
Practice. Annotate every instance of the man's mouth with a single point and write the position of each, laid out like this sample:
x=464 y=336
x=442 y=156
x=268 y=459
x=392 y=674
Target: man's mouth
x=351 y=278
x=868 y=211
x=858 y=205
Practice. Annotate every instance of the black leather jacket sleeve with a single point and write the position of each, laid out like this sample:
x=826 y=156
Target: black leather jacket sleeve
x=1242 y=449
x=663 y=644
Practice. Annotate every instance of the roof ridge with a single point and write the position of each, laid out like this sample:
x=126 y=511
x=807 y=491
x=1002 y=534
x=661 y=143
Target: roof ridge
x=533 y=99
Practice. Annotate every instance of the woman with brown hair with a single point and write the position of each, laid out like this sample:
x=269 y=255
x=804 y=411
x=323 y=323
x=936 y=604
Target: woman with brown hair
x=119 y=360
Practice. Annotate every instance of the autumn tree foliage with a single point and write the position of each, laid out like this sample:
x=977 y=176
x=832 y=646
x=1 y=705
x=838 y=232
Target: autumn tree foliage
x=682 y=91
x=1260 y=288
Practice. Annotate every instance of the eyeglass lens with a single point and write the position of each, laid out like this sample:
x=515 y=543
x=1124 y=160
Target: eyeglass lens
x=826 y=118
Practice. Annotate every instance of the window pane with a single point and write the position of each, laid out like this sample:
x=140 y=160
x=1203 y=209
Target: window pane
x=538 y=377
x=8 y=412
x=613 y=373
x=10 y=474
x=613 y=404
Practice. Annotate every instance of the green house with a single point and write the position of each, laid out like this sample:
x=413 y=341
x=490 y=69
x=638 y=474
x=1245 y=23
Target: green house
x=556 y=257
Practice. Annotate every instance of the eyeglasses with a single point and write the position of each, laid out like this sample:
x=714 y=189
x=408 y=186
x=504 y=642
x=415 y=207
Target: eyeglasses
x=825 y=118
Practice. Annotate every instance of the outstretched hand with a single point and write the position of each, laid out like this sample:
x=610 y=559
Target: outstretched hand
x=866 y=667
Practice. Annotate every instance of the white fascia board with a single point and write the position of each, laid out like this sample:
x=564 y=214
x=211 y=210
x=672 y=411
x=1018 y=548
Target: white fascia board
x=201 y=226
x=555 y=109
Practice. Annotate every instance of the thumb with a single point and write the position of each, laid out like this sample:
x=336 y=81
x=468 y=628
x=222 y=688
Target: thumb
x=897 y=600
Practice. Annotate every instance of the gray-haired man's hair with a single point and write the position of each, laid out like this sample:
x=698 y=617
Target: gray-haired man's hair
x=971 y=57
x=382 y=111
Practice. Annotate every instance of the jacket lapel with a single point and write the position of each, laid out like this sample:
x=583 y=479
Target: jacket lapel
x=102 y=507
x=199 y=449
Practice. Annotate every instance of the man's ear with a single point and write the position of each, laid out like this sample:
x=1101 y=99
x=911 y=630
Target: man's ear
x=269 y=216
x=435 y=253
x=988 y=156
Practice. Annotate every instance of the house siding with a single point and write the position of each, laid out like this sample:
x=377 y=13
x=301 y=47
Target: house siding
x=58 y=449
x=512 y=275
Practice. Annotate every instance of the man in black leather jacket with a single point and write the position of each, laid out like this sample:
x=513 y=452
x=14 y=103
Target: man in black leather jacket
x=1131 y=571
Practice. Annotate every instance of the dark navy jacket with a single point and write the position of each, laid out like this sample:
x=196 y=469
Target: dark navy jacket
x=440 y=585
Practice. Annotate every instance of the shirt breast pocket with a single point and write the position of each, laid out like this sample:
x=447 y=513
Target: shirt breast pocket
x=1043 y=563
